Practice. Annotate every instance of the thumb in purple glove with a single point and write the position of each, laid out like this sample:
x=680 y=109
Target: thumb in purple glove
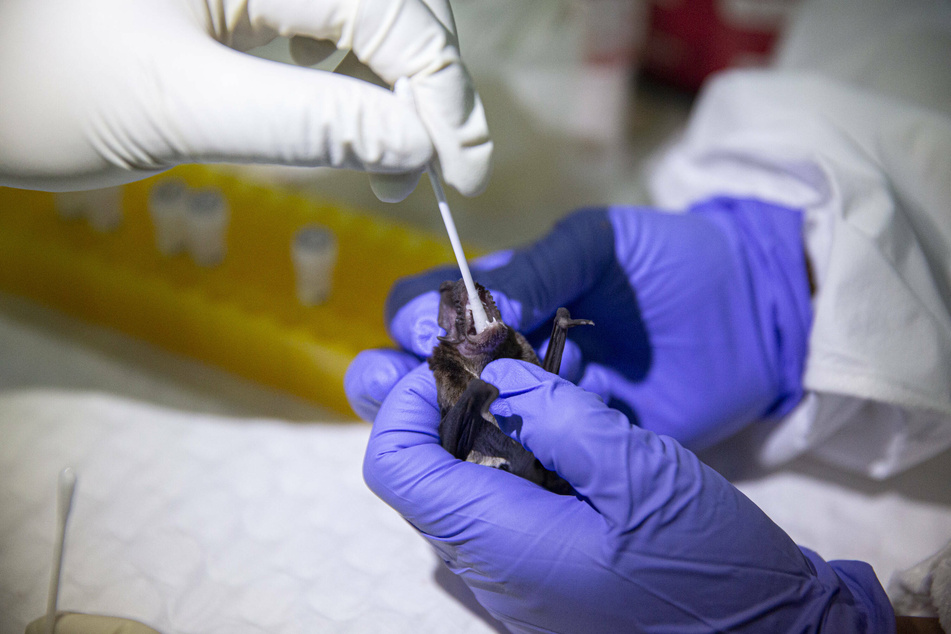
x=371 y=376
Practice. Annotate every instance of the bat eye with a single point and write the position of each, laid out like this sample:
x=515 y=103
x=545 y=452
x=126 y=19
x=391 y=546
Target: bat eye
x=504 y=466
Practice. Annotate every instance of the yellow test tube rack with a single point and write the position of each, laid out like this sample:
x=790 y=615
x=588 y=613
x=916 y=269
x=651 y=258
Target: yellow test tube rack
x=242 y=315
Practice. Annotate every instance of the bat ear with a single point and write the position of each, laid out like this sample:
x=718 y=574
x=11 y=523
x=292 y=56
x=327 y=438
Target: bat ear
x=447 y=308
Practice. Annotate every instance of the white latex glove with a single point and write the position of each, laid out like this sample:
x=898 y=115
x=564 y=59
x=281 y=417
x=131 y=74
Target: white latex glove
x=104 y=92
x=924 y=590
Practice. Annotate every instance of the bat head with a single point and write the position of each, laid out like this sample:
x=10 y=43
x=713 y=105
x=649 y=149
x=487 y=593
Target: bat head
x=455 y=316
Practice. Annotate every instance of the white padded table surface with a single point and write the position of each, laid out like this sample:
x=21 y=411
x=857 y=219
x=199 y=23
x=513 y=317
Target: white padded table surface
x=195 y=523
x=196 y=509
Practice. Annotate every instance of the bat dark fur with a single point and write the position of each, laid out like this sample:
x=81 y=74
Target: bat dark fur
x=467 y=430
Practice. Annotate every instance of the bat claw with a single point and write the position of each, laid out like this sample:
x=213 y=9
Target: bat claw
x=563 y=320
x=571 y=323
x=559 y=333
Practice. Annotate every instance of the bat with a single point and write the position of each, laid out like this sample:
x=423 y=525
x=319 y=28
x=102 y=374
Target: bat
x=466 y=429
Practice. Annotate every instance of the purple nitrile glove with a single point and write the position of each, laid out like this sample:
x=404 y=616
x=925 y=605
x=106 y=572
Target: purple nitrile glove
x=370 y=377
x=701 y=319
x=655 y=542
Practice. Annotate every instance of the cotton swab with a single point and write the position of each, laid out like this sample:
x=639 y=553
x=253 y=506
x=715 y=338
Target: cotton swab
x=403 y=91
x=64 y=502
x=479 y=319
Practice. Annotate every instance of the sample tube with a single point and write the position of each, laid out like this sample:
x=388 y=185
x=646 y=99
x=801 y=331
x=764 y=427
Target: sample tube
x=104 y=208
x=314 y=251
x=206 y=223
x=168 y=202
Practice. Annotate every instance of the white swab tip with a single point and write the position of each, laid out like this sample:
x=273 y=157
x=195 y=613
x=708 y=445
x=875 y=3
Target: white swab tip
x=479 y=319
x=67 y=486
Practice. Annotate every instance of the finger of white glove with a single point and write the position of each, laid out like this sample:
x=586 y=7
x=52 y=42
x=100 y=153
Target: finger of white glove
x=238 y=108
x=393 y=188
x=442 y=12
x=457 y=127
x=413 y=39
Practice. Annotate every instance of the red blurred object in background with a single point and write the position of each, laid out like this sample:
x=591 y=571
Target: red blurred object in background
x=690 y=39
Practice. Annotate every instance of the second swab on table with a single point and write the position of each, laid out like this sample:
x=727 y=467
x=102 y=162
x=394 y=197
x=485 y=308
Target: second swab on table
x=64 y=501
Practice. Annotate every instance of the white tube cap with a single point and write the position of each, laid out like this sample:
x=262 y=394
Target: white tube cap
x=314 y=251
x=206 y=225
x=168 y=204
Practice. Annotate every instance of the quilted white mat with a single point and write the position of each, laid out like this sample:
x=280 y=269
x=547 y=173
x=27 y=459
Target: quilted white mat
x=196 y=523
x=203 y=523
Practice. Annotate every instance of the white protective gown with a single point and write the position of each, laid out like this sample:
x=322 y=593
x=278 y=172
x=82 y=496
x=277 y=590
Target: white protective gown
x=853 y=125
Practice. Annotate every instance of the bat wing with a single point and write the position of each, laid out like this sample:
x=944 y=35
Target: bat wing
x=463 y=424
x=468 y=432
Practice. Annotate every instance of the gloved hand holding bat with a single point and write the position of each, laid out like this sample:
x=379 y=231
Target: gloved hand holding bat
x=655 y=541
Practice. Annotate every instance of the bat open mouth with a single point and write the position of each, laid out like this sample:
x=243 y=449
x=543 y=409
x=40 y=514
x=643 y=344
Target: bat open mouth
x=491 y=313
x=495 y=329
x=456 y=317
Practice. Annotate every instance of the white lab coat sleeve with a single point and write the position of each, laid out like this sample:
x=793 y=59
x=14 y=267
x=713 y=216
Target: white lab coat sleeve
x=872 y=174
